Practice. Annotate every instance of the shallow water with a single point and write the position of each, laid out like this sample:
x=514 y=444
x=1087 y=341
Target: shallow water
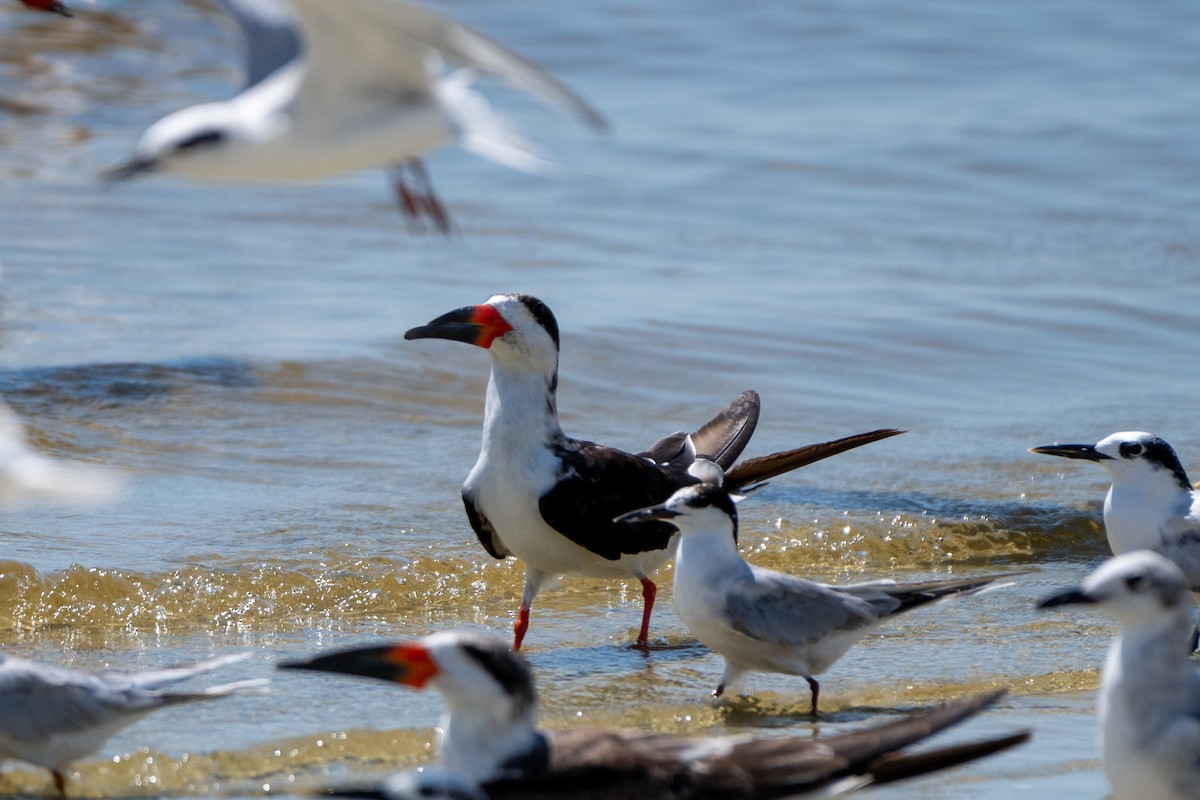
x=974 y=222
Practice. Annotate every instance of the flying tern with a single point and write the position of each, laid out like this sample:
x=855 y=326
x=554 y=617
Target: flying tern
x=337 y=87
x=766 y=621
x=551 y=500
x=491 y=747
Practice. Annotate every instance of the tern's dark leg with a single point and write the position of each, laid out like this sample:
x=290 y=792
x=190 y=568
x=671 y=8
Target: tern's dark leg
x=432 y=205
x=816 y=692
x=720 y=690
x=408 y=200
x=60 y=783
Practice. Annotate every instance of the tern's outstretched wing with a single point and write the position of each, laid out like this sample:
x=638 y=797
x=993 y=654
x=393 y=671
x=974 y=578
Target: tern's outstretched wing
x=271 y=32
x=387 y=45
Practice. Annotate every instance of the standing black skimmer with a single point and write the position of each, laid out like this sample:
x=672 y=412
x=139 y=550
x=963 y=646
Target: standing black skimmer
x=766 y=621
x=490 y=746
x=551 y=500
x=51 y=716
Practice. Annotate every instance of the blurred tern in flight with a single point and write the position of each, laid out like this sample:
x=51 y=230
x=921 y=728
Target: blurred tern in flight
x=1151 y=504
x=28 y=475
x=1149 y=710
x=337 y=86
x=49 y=5
x=551 y=500
x=766 y=621
x=51 y=716
x=490 y=747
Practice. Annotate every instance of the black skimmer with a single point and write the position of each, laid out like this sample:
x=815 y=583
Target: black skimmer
x=766 y=621
x=490 y=745
x=51 y=716
x=551 y=500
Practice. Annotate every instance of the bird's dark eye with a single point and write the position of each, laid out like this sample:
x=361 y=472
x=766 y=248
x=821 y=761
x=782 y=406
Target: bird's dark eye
x=1131 y=450
x=1133 y=582
x=206 y=137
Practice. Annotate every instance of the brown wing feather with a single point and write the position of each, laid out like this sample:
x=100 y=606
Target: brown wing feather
x=725 y=436
x=756 y=470
x=591 y=764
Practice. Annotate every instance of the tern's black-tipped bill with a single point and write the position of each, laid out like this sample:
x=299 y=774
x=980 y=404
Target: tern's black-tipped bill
x=1087 y=452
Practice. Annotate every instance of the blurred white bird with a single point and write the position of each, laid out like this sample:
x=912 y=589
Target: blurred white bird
x=26 y=474
x=766 y=621
x=1149 y=709
x=51 y=716
x=368 y=87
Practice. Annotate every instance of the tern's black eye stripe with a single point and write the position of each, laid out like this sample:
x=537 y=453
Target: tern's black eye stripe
x=207 y=137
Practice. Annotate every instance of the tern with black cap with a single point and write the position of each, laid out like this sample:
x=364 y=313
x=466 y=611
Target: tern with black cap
x=1151 y=504
x=766 y=621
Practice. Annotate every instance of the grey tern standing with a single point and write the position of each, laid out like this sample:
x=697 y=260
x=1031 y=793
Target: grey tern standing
x=1149 y=710
x=490 y=747
x=51 y=716
x=338 y=87
x=766 y=621
x=551 y=500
